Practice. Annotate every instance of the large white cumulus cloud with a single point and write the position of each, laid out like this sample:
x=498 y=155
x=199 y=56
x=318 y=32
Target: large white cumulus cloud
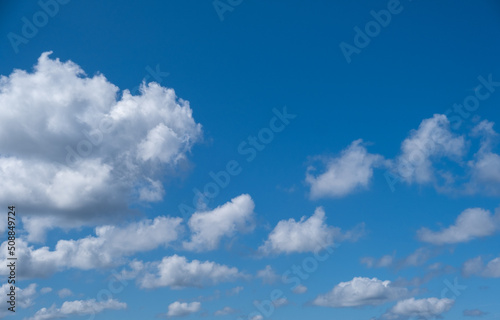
x=71 y=145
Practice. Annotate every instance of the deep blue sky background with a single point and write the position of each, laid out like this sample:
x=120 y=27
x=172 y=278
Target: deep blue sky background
x=270 y=54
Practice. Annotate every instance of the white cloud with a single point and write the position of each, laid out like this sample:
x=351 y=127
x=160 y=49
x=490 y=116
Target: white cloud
x=64 y=293
x=235 y=291
x=72 y=147
x=176 y=272
x=306 y=235
x=432 y=140
x=474 y=313
x=108 y=248
x=209 y=227
x=360 y=292
x=382 y=262
x=492 y=269
x=267 y=275
x=352 y=170
x=77 y=308
x=422 y=308
x=417 y=258
x=299 y=289
x=414 y=259
x=476 y=266
x=470 y=224
x=153 y=192
x=181 y=309
x=224 y=311
x=46 y=290
x=281 y=302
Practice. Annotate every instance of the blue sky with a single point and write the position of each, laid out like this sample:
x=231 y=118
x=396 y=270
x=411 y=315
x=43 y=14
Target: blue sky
x=373 y=169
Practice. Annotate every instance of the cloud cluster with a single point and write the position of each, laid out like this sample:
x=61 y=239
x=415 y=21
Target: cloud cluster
x=476 y=266
x=77 y=308
x=177 y=272
x=415 y=259
x=108 y=248
x=361 y=292
x=430 y=145
x=72 y=147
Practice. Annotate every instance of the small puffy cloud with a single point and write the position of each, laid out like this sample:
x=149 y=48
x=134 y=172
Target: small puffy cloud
x=474 y=313
x=299 y=289
x=350 y=171
x=152 y=192
x=45 y=290
x=257 y=317
x=77 y=308
x=64 y=293
x=306 y=235
x=177 y=272
x=422 y=308
x=36 y=227
x=473 y=266
x=432 y=140
x=434 y=270
x=361 y=292
x=416 y=258
x=267 y=275
x=225 y=311
x=209 y=227
x=492 y=269
x=476 y=266
x=470 y=224
x=108 y=248
x=382 y=262
x=281 y=302
x=75 y=148
x=181 y=309
x=234 y=291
